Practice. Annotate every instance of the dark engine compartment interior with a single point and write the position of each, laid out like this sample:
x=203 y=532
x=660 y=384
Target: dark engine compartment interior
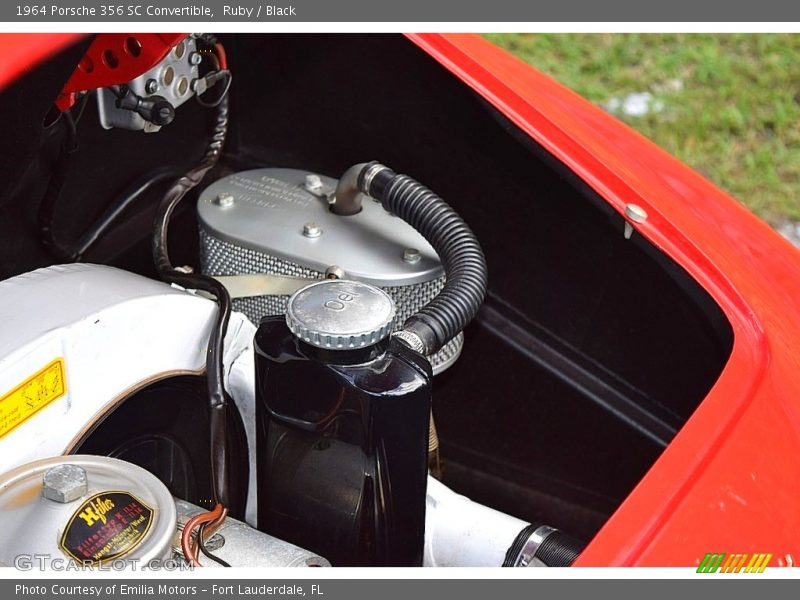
x=591 y=350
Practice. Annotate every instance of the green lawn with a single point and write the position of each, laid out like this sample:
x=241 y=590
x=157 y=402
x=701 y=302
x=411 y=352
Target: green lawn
x=726 y=104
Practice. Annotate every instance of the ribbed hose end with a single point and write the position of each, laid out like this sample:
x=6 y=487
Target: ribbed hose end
x=559 y=550
x=541 y=545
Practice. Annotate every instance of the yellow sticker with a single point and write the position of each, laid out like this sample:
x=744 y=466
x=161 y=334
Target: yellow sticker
x=36 y=392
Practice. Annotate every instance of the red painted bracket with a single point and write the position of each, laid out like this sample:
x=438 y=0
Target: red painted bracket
x=114 y=59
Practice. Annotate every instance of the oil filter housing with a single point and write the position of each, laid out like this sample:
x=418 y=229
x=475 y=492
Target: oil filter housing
x=89 y=509
x=95 y=510
x=278 y=221
x=342 y=428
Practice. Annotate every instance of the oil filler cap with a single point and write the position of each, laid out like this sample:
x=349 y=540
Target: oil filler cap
x=340 y=315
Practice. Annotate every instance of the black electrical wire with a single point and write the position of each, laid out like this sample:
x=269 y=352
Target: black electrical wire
x=206 y=552
x=76 y=251
x=46 y=217
x=71 y=142
x=218 y=75
x=47 y=207
x=130 y=195
x=82 y=107
x=214 y=365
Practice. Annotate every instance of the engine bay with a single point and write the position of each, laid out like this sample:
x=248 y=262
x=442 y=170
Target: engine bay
x=386 y=328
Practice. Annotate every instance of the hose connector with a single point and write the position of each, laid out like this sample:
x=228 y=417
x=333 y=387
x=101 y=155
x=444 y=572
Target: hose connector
x=347 y=198
x=410 y=339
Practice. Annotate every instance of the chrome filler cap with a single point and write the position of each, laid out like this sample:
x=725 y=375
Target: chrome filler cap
x=340 y=315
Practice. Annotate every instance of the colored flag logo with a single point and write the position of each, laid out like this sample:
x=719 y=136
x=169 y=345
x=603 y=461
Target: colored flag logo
x=714 y=562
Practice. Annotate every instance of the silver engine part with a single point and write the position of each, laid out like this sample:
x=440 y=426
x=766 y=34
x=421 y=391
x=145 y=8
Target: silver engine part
x=174 y=79
x=463 y=533
x=240 y=545
x=278 y=221
x=97 y=510
x=89 y=509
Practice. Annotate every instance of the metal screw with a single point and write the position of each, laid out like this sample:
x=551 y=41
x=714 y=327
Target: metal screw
x=334 y=272
x=411 y=256
x=225 y=200
x=195 y=58
x=151 y=87
x=636 y=214
x=313 y=182
x=64 y=483
x=312 y=230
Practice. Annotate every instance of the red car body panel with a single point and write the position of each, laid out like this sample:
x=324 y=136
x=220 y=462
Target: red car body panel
x=730 y=479
x=21 y=52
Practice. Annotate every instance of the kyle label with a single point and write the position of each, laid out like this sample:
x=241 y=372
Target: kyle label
x=105 y=527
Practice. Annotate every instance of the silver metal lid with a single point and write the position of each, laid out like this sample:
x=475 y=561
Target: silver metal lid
x=340 y=315
x=44 y=515
x=281 y=213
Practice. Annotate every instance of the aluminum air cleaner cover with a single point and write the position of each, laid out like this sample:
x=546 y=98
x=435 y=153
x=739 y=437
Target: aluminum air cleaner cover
x=237 y=207
x=120 y=511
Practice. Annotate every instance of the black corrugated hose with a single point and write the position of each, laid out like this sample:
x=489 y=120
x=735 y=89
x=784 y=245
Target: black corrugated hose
x=452 y=239
x=214 y=364
x=557 y=549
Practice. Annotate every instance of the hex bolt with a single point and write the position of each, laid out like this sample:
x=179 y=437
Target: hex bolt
x=635 y=214
x=64 y=483
x=312 y=230
x=151 y=87
x=195 y=58
x=313 y=183
x=334 y=272
x=412 y=256
x=225 y=200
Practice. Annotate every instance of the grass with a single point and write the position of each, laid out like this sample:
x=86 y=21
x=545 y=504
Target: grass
x=729 y=103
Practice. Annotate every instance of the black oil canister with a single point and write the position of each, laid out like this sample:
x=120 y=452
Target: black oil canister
x=342 y=428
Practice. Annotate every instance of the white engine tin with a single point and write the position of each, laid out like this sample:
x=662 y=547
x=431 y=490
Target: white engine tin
x=116 y=332
x=463 y=533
